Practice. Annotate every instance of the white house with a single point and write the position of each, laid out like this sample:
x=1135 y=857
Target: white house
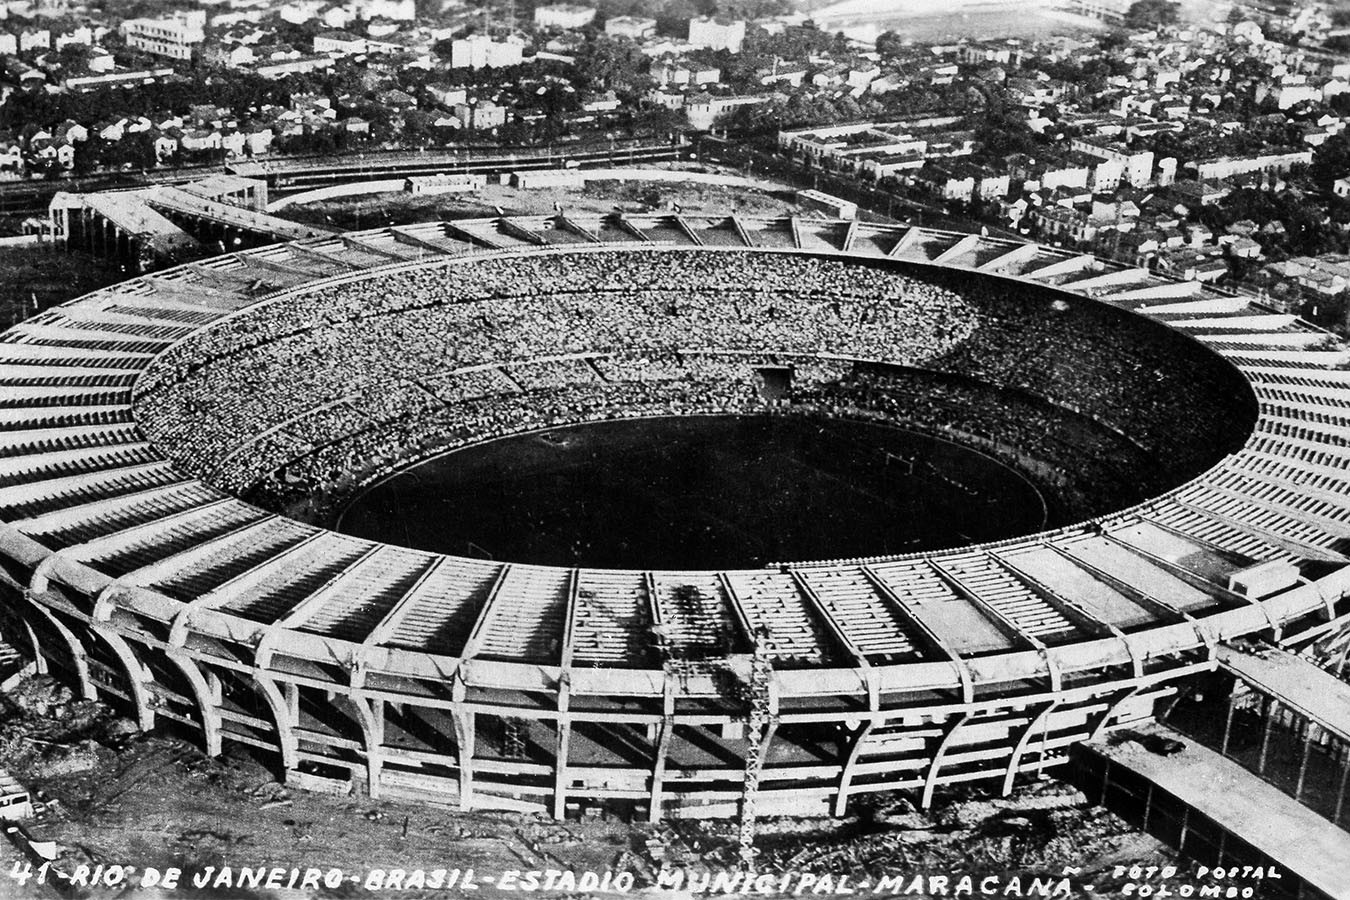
x=565 y=16
x=339 y=43
x=478 y=51
x=635 y=27
x=711 y=34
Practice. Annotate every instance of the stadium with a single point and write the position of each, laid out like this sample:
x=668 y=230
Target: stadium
x=176 y=446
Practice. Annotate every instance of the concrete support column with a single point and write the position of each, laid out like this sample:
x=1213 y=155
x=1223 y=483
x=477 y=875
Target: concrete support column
x=284 y=720
x=375 y=746
x=939 y=755
x=1305 y=750
x=291 y=692
x=1228 y=719
x=465 y=722
x=137 y=677
x=207 y=710
x=1345 y=777
x=79 y=657
x=1039 y=722
x=560 y=777
x=848 y=766
x=1269 y=705
x=665 y=733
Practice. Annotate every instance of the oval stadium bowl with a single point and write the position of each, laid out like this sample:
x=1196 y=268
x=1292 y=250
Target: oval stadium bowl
x=174 y=445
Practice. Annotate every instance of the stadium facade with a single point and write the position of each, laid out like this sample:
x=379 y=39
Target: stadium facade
x=131 y=567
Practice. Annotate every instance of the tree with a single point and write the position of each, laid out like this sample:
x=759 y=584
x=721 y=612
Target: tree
x=1001 y=133
x=890 y=43
x=1330 y=161
x=611 y=63
x=1151 y=13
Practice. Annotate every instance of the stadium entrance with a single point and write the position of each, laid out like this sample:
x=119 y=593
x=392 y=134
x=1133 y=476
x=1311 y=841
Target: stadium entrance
x=700 y=492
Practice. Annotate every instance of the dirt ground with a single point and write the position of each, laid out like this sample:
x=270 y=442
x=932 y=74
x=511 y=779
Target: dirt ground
x=117 y=798
x=596 y=197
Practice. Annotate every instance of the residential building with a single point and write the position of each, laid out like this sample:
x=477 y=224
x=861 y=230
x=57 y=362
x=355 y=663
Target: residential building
x=703 y=111
x=135 y=78
x=1056 y=223
x=1278 y=160
x=709 y=33
x=635 y=27
x=177 y=36
x=478 y=51
x=81 y=34
x=230 y=56
x=1137 y=164
x=945 y=184
x=565 y=16
x=294 y=66
x=668 y=72
x=339 y=43
x=1048 y=173
x=35 y=39
x=483 y=115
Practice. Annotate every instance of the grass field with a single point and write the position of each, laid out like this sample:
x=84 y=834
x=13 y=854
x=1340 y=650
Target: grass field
x=700 y=492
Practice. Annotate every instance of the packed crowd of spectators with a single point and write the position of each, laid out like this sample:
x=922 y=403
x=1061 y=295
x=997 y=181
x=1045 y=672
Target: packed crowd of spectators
x=311 y=485
x=1086 y=468
x=1138 y=377
x=367 y=374
x=221 y=387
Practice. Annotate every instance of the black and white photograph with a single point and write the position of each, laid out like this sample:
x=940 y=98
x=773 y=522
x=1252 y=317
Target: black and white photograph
x=674 y=449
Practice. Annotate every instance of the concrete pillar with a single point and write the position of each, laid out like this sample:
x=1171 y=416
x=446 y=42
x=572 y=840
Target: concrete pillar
x=465 y=722
x=1345 y=777
x=79 y=658
x=664 y=736
x=564 y=740
x=137 y=678
x=39 y=661
x=1228 y=719
x=375 y=747
x=1304 y=751
x=1268 y=720
x=208 y=712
